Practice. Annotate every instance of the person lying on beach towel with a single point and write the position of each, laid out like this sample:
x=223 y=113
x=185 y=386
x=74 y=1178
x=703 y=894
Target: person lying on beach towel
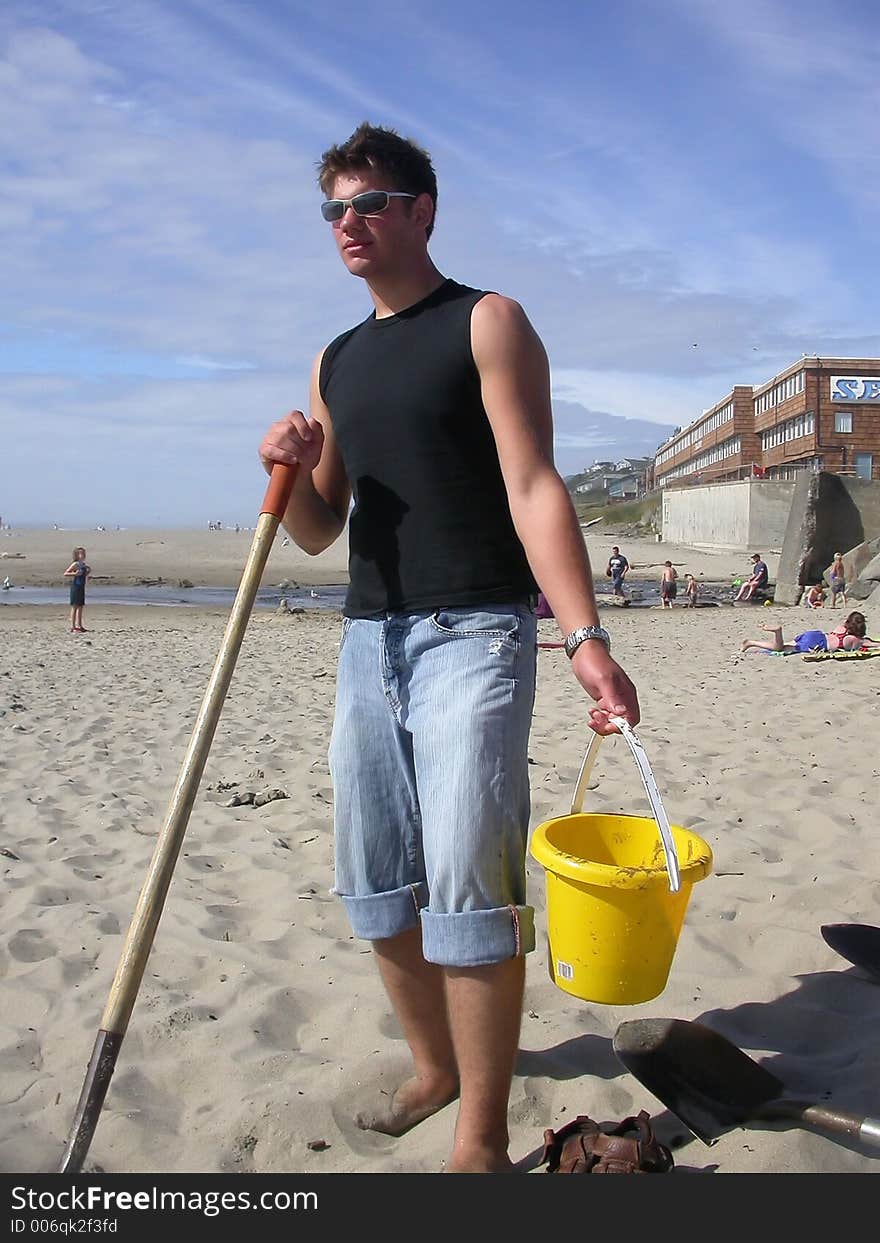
x=848 y=637
x=853 y=626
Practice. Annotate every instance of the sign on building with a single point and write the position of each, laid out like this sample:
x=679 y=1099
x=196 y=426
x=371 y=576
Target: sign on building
x=855 y=388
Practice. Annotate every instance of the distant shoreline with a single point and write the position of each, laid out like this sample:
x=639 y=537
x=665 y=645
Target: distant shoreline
x=134 y=557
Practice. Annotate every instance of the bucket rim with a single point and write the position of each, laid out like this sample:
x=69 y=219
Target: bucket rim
x=614 y=876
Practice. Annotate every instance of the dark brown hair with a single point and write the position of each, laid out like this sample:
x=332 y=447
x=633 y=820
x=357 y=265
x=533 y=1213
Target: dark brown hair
x=399 y=160
x=856 y=625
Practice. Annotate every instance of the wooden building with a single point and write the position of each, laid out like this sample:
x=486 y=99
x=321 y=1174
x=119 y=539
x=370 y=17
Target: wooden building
x=817 y=414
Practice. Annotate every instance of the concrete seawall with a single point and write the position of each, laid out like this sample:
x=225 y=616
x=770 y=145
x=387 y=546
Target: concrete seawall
x=747 y=513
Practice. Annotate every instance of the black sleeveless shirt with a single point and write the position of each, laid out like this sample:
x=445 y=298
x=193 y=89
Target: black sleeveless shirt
x=431 y=524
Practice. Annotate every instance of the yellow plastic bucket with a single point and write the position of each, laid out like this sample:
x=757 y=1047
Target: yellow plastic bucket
x=616 y=899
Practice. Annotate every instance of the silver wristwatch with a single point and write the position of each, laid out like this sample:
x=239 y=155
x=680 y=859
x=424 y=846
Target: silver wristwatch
x=579 y=636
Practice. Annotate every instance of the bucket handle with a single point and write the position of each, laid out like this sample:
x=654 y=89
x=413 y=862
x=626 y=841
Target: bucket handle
x=638 y=753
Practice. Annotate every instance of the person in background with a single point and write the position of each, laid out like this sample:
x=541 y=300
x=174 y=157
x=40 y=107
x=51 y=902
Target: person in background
x=668 y=585
x=759 y=578
x=691 y=591
x=77 y=572
x=543 y=611
x=617 y=570
x=838 y=581
x=459 y=513
x=814 y=597
x=849 y=636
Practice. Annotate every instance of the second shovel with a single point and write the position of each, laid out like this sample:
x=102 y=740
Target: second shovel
x=712 y=1085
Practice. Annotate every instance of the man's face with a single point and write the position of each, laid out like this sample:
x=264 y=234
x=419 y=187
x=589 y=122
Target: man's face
x=373 y=245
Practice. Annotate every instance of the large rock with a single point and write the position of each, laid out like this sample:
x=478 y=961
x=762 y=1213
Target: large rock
x=829 y=513
x=872 y=569
x=861 y=566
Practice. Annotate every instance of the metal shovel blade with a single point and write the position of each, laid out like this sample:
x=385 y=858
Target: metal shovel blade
x=704 y=1079
x=857 y=943
x=712 y=1085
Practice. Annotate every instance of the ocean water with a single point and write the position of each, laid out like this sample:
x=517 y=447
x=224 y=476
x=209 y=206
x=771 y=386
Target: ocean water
x=644 y=595
x=179 y=597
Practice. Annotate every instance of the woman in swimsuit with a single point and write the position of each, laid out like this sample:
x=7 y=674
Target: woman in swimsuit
x=849 y=636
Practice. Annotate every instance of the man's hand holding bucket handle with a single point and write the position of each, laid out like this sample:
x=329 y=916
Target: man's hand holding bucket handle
x=604 y=680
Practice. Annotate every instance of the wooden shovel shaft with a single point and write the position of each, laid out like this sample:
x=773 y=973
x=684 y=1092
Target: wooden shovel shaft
x=142 y=930
x=826 y=1119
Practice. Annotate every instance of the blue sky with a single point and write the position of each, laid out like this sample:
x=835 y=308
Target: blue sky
x=682 y=194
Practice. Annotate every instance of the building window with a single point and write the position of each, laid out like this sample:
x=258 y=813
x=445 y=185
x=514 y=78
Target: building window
x=864 y=463
x=843 y=420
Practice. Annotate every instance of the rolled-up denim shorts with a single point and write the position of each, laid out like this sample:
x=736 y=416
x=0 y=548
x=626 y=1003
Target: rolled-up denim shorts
x=429 y=760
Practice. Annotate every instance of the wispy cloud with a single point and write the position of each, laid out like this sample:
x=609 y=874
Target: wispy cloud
x=662 y=186
x=214 y=364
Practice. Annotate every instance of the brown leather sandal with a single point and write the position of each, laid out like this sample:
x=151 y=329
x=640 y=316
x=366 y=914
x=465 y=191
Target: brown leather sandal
x=583 y=1146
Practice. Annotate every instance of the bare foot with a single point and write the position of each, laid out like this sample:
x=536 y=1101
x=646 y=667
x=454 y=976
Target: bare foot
x=415 y=1100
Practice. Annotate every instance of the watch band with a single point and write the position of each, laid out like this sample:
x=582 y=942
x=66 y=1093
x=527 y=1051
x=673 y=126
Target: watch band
x=579 y=636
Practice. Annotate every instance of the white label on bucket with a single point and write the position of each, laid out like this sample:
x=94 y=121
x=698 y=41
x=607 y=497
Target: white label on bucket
x=564 y=969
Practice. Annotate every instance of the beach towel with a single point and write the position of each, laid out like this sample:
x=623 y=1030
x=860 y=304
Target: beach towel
x=856 y=655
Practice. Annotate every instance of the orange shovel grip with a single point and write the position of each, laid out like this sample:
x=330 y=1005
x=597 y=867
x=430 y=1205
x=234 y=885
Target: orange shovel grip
x=277 y=496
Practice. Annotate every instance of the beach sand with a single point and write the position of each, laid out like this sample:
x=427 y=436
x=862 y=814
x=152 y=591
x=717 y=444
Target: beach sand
x=260 y=1026
x=38 y=558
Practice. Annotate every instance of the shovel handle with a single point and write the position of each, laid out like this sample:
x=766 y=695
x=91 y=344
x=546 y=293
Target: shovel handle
x=142 y=929
x=830 y=1121
x=278 y=492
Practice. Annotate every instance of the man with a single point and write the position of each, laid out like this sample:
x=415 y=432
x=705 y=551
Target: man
x=759 y=578
x=617 y=570
x=435 y=414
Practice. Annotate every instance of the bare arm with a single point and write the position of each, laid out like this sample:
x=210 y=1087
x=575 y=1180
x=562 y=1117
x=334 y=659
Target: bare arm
x=515 y=381
x=318 y=507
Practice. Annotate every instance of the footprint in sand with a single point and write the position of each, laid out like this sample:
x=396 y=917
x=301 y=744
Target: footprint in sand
x=281 y=1019
x=45 y=895
x=390 y=1028
x=29 y=945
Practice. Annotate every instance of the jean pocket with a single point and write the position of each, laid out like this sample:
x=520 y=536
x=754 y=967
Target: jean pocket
x=471 y=623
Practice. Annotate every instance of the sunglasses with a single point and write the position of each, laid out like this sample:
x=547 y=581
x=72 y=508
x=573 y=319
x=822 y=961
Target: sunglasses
x=369 y=203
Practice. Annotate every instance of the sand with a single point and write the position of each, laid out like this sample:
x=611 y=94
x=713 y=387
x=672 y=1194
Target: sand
x=38 y=558
x=260 y=1026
